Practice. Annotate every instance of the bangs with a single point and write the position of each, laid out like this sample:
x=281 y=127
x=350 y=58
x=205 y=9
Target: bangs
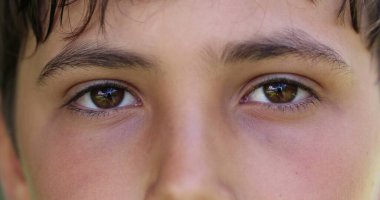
x=43 y=15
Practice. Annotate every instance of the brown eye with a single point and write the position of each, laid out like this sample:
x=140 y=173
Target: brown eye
x=107 y=97
x=280 y=92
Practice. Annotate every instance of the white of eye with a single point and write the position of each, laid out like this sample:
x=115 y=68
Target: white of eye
x=87 y=102
x=258 y=95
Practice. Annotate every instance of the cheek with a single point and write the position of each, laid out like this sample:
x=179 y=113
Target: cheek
x=66 y=160
x=330 y=155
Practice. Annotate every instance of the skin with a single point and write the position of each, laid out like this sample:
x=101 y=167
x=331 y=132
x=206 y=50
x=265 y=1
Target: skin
x=192 y=137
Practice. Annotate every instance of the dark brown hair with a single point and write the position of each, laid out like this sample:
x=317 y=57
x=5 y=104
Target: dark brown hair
x=17 y=17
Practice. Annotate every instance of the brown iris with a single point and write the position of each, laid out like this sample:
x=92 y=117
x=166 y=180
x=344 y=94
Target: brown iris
x=280 y=92
x=107 y=97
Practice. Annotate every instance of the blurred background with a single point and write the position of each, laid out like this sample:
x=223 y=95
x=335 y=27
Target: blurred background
x=1 y=196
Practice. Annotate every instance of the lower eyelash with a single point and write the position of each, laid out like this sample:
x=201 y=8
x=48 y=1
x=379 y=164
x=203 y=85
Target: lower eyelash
x=293 y=107
x=90 y=113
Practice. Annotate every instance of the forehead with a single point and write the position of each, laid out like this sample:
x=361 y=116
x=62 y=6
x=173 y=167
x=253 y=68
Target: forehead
x=194 y=24
x=258 y=14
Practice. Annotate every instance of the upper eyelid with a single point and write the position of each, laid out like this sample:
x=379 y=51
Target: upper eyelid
x=289 y=81
x=274 y=80
x=280 y=76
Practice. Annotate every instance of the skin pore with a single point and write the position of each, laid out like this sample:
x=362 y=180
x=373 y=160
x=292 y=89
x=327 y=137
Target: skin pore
x=194 y=121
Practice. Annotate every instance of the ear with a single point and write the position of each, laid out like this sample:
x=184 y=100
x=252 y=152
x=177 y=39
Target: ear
x=11 y=177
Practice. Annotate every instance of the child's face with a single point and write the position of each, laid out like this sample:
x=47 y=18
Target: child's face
x=227 y=99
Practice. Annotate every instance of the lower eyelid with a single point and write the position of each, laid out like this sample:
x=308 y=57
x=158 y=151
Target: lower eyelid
x=91 y=114
x=94 y=114
x=284 y=112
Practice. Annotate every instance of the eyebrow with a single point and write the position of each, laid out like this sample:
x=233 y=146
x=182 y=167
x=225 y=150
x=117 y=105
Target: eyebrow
x=291 y=42
x=93 y=55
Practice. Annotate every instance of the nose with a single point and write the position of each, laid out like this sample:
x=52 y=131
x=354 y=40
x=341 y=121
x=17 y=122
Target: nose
x=188 y=187
x=188 y=176
x=188 y=167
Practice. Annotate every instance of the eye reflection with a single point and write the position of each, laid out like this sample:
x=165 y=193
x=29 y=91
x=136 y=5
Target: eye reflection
x=107 y=97
x=280 y=92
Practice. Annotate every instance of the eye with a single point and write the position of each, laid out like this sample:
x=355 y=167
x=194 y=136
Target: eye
x=103 y=96
x=278 y=92
x=288 y=93
x=106 y=97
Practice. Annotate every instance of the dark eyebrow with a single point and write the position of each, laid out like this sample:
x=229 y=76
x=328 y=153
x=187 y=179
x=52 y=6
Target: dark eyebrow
x=292 y=42
x=93 y=55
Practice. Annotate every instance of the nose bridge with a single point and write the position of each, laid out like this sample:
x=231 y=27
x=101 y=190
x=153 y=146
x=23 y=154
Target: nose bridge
x=186 y=167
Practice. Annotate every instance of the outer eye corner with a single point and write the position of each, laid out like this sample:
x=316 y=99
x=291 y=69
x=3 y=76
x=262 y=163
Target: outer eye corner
x=244 y=99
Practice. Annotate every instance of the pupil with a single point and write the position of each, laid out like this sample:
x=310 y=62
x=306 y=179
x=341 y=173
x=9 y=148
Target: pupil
x=107 y=97
x=280 y=92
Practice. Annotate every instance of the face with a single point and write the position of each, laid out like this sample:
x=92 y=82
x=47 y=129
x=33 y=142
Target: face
x=201 y=100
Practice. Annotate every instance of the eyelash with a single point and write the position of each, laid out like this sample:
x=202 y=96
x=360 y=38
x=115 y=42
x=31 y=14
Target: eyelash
x=97 y=113
x=286 y=107
x=313 y=100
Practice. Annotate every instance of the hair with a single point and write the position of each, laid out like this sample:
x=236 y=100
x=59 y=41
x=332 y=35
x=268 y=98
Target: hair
x=19 y=17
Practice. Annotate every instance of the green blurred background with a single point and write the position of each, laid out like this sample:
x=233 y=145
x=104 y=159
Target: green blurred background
x=1 y=196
